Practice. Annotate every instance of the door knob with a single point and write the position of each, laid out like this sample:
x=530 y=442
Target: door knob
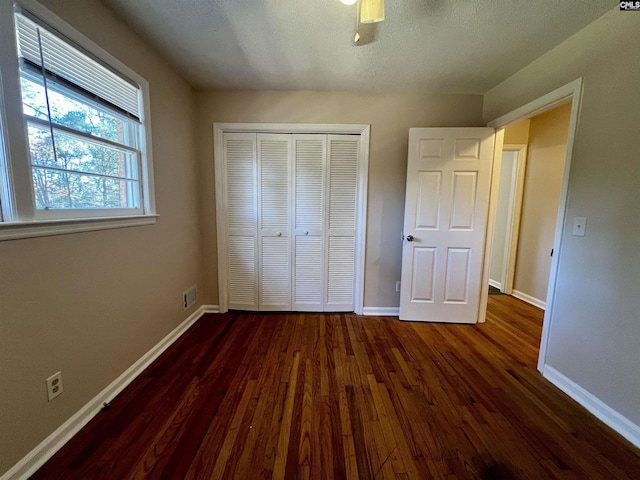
x=409 y=238
x=306 y=232
x=279 y=234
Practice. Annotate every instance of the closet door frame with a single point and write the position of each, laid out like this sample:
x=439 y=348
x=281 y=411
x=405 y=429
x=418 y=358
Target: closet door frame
x=219 y=129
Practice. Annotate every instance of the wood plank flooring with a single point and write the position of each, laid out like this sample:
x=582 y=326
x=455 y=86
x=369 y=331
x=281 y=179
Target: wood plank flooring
x=333 y=396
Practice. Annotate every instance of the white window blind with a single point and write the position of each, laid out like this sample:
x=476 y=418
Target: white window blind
x=55 y=54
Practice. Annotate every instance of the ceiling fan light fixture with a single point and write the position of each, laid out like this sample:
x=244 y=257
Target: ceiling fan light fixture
x=348 y=2
x=371 y=11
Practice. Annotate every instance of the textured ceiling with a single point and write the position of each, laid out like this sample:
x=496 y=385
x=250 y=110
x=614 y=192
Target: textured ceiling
x=430 y=46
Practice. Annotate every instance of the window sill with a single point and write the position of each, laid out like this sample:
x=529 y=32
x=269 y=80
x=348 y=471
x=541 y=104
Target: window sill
x=17 y=230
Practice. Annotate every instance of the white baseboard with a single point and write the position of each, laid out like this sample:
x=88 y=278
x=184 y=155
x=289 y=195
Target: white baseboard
x=529 y=299
x=495 y=284
x=210 y=309
x=597 y=407
x=54 y=442
x=381 y=311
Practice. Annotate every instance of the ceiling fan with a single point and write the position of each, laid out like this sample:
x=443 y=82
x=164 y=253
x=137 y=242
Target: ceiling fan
x=367 y=12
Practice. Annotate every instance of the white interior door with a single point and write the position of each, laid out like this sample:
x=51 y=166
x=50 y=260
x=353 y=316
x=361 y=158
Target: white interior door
x=446 y=209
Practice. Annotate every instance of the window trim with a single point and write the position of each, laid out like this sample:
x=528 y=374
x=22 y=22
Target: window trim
x=20 y=218
x=45 y=228
x=6 y=199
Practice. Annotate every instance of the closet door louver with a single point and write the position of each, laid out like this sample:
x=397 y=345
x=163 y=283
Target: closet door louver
x=241 y=207
x=274 y=159
x=309 y=164
x=342 y=189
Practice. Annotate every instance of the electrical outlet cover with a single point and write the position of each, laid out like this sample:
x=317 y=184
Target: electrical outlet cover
x=54 y=386
x=579 y=226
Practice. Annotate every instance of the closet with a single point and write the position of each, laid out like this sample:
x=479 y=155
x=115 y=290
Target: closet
x=289 y=220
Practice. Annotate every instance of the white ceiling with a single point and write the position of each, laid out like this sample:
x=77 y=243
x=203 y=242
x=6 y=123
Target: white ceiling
x=429 y=46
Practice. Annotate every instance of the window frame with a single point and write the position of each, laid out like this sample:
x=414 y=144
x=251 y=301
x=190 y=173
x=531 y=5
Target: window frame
x=19 y=217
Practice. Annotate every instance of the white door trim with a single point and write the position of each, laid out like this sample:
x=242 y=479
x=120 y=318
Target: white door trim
x=219 y=129
x=569 y=92
x=514 y=216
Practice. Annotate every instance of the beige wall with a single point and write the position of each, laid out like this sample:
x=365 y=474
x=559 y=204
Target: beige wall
x=542 y=188
x=91 y=304
x=595 y=327
x=390 y=117
x=517 y=133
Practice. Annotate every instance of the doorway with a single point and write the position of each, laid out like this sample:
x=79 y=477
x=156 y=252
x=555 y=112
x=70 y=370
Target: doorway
x=549 y=144
x=529 y=189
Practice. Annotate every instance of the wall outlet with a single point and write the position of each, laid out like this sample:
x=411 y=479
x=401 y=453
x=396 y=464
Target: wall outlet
x=579 y=226
x=397 y=286
x=189 y=297
x=54 y=386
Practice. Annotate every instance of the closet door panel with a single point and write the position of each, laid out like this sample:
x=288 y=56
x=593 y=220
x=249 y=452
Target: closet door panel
x=241 y=206
x=274 y=155
x=309 y=164
x=340 y=274
x=342 y=190
x=243 y=285
x=275 y=273
x=274 y=166
x=307 y=292
x=309 y=267
x=343 y=182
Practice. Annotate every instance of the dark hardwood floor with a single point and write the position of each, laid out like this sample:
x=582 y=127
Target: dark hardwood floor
x=334 y=396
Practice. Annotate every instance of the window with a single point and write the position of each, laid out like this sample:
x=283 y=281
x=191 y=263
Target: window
x=84 y=123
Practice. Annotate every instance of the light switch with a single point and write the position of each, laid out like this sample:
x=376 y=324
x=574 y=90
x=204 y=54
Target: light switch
x=579 y=226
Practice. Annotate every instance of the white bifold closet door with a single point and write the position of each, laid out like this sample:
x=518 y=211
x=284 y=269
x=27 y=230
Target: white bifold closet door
x=291 y=218
x=274 y=240
x=324 y=205
x=241 y=205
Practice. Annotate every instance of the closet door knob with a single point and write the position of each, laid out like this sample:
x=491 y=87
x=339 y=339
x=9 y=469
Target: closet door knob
x=306 y=232
x=278 y=234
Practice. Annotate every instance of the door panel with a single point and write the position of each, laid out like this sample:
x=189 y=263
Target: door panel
x=464 y=200
x=308 y=274
x=343 y=182
x=274 y=152
x=423 y=270
x=340 y=274
x=446 y=208
x=309 y=155
x=342 y=165
x=241 y=189
x=243 y=285
x=241 y=181
x=275 y=272
x=309 y=166
x=428 y=210
x=457 y=277
x=274 y=165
